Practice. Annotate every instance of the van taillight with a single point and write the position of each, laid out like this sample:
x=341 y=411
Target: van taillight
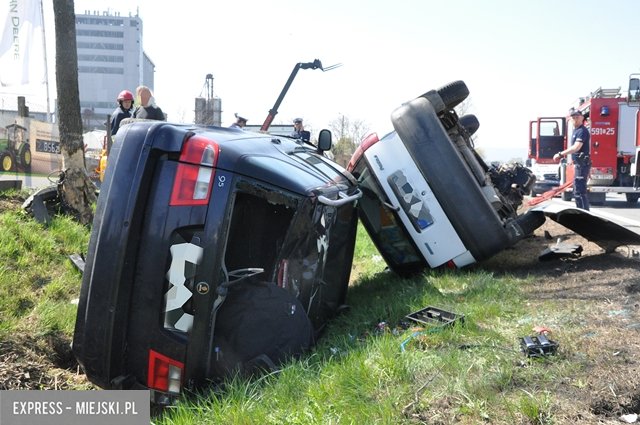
x=192 y=184
x=165 y=374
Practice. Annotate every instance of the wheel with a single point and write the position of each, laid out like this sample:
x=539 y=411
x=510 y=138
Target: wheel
x=453 y=93
x=6 y=162
x=25 y=157
x=530 y=221
x=597 y=198
x=566 y=196
x=632 y=197
x=470 y=123
x=47 y=194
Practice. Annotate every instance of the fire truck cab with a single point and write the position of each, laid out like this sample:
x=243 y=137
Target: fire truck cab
x=613 y=124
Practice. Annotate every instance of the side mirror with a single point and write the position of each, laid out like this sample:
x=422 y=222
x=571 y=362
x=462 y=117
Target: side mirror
x=324 y=140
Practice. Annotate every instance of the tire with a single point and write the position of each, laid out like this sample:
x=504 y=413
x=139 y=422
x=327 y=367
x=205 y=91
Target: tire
x=25 y=157
x=566 y=196
x=436 y=101
x=47 y=194
x=470 y=123
x=6 y=162
x=597 y=198
x=453 y=93
x=530 y=221
x=632 y=197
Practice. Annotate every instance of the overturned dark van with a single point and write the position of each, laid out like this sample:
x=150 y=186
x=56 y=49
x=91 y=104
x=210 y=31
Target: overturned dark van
x=212 y=250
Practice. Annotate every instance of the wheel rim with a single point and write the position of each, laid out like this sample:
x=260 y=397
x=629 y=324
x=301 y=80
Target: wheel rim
x=6 y=163
x=27 y=157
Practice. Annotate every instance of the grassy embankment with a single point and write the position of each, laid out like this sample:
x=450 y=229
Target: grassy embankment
x=361 y=372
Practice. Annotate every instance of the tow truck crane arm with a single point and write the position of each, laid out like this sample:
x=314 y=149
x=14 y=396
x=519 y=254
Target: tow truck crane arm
x=316 y=64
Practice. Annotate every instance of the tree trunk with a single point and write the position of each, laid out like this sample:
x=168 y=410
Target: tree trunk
x=77 y=189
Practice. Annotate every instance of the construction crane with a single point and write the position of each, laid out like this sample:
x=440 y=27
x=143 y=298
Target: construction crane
x=316 y=64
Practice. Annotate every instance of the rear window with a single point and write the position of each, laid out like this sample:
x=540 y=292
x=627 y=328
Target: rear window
x=382 y=223
x=332 y=171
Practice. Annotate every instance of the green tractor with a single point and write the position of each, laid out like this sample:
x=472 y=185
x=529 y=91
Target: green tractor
x=15 y=152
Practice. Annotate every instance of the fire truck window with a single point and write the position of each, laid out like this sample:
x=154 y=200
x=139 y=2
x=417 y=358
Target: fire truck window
x=634 y=89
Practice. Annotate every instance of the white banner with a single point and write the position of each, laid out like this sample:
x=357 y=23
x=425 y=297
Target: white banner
x=21 y=48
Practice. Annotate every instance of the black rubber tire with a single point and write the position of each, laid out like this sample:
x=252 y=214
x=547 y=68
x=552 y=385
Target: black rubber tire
x=47 y=194
x=597 y=198
x=6 y=161
x=566 y=196
x=470 y=123
x=530 y=221
x=25 y=157
x=453 y=93
x=632 y=197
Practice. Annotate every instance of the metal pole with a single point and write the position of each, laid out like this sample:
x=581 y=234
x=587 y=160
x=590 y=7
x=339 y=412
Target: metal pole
x=46 y=67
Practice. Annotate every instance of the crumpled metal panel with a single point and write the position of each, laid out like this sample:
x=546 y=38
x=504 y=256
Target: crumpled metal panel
x=605 y=233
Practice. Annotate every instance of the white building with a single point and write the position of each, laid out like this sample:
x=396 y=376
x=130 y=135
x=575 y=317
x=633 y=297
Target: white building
x=110 y=59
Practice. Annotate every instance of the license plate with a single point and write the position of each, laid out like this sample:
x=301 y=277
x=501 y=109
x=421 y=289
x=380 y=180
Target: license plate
x=47 y=146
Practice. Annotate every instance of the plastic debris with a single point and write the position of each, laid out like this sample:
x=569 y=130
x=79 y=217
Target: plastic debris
x=631 y=418
x=538 y=346
x=433 y=316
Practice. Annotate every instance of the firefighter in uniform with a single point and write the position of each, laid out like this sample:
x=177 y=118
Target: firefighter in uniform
x=580 y=156
x=125 y=104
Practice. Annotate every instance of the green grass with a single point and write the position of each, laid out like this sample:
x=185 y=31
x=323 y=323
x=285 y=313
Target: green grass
x=360 y=372
x=37 y=279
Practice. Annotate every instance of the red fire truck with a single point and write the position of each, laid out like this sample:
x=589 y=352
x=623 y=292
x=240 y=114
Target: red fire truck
x=615 y=144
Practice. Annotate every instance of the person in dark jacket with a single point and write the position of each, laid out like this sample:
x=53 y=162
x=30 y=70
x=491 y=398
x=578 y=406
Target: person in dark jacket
x=240 y=122
x=300 y=132
x=125 y=104
x=147 y=109
x=580 y=156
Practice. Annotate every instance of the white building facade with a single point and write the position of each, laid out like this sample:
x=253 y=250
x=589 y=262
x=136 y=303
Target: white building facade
x=110 y=59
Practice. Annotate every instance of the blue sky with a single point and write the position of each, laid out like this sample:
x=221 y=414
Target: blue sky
x=519 y=59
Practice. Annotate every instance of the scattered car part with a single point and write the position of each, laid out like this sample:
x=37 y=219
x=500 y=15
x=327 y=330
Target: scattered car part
x=605 y=233
x=78 y=261
x=436 y=317
x=561 y=250
x=538 y=346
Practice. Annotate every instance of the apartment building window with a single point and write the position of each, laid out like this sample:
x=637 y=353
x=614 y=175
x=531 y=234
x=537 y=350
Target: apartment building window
x=97 y=33
x=101 y=58
x=99 y=70
x=98 y=45
x=99 y=21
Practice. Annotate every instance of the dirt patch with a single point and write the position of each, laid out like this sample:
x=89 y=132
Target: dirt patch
x=595 y=318
x=39 y=364
x=10 y=204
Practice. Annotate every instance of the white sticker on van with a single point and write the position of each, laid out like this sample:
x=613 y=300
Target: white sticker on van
x=175 y=318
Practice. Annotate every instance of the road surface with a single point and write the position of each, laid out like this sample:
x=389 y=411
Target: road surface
x=615 y=208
